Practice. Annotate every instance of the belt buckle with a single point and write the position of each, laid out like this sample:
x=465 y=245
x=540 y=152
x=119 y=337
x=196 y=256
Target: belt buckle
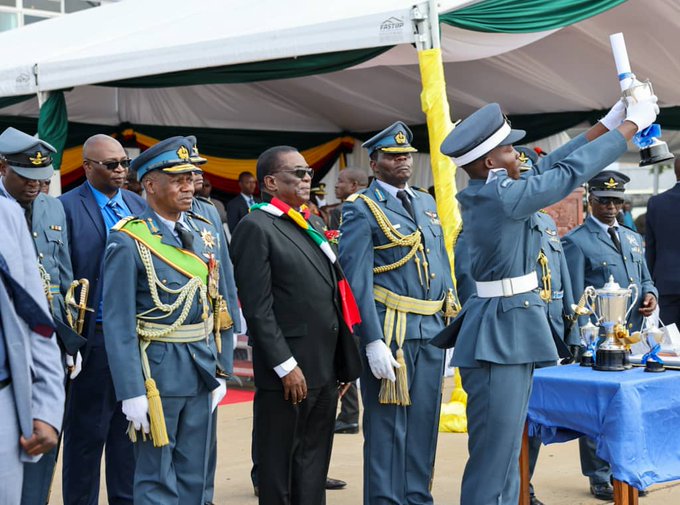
x=506 y=284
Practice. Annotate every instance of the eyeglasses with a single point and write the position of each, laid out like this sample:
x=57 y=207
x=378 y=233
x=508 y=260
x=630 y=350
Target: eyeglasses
x=112 y=165
x=299 y=172
x=606 y=200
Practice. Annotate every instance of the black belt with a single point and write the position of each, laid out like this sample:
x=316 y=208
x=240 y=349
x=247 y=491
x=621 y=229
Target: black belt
x=5 y=382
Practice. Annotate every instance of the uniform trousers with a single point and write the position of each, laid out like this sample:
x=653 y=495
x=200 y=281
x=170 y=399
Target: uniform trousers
x=669 y=309
x=38 y=478
x=349 y=405
x=400 y=442
x=594 y=467
x=11 y=467
x=94 y=420
x=498 y=398
x=212 y=460
x=175 y=474
x=535 y=442
x=294 y=445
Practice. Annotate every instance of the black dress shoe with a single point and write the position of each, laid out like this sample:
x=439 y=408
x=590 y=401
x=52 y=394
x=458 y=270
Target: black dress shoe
x=335 y=483
x=341 y=427
x=642 y=492
x=535 y=501
x=602 y=491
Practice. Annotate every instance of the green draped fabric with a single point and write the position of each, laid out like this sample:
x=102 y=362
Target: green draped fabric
x=53 y=124
x=257 y=71
x=525 y=16
x=6 y=101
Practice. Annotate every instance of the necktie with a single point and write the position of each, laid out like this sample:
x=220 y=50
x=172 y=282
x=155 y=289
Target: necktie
x=615 y=238
x=28 y=213
x=185 y=236
x=25 y=305
x=251 y=202
x=116 y=209
x=406 y=202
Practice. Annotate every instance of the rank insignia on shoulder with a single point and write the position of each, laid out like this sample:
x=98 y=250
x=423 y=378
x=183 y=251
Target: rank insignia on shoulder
x=55 y=227
x=199 y=217
x=551 y=232
x=120 y=224
x=208 y=238
x=506 y=183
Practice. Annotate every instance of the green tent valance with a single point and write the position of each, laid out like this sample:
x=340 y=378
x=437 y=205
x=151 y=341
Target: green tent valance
x=525 y=16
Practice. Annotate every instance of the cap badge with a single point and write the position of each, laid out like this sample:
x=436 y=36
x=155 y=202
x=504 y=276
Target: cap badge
x=38 y=160
x=523 y=157
x=183 y=153
x=400 y=138
x=611 y=183
x=194 y=150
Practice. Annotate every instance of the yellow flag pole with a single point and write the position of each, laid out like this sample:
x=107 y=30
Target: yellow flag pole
x=435 y=105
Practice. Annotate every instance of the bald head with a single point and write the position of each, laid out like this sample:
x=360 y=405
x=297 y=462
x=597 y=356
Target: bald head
x=99 y=151
x=350 y=180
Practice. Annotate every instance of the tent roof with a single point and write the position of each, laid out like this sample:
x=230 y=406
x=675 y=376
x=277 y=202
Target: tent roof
x=570 y=69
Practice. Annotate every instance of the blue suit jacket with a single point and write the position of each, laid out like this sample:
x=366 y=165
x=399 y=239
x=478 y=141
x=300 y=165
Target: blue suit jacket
x=592 y=258
x=503 y=238
x=87 y=239
x=662 y=235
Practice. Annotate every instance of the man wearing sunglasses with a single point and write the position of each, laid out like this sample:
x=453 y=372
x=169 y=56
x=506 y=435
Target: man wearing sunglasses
x=600 y=247
x=94 y=419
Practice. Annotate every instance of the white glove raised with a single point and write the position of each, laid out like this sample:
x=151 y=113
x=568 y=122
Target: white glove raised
x=219 y=393
x=381 y=361
x=136 y=411
x=615 y=116
x=642 y=112
x=75 y=364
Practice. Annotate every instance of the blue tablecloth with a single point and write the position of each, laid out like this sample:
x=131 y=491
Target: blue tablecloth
x=633 y=416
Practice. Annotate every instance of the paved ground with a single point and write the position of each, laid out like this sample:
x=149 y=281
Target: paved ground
x=558 y=479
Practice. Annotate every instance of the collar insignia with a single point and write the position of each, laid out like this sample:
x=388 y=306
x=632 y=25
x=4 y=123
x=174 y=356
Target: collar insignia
x=611 y=183
x=38 y=160
x=632 y=240
x=208 y=238
x=183 y=153
x=400 y=138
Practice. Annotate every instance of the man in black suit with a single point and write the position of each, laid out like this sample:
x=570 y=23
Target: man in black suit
x=94 y=418
x=302 y=346
x=662 y=236
x=237 y=208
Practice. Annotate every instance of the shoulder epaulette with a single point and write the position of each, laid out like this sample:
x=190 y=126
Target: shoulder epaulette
x=120 y=224
x=205 y=200
x=352 y=198
x=420 y=189
x=195 y=215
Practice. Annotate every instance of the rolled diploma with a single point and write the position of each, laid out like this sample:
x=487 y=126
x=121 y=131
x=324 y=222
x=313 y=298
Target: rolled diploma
x=621 y=59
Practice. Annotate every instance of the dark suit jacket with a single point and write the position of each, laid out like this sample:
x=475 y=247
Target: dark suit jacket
x=237 y=209
x=288 y=293
x=87 y=239
x=662 y=236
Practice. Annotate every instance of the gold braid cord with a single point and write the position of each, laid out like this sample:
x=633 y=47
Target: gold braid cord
x=396 y=239
x=46 y=281
x=546 y=278
x=185 y=297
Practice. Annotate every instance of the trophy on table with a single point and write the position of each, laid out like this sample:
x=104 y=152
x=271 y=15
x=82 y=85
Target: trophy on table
x=652 y=336
x=610 y=306
x=652 y=150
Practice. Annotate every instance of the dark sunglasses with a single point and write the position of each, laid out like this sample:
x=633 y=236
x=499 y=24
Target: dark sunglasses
x=112 y=165
x=606 y=200
x=300 y=172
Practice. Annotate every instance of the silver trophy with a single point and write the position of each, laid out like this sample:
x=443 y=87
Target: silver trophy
x=611 y=305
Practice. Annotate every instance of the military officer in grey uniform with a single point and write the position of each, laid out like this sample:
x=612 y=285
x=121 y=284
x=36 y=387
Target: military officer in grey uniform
x=502 y=330
x=164 y=300
x=24 y=162
x=596 y=250
x=392 y=250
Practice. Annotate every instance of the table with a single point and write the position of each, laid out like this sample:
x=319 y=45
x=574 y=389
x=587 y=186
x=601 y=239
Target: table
x=633 y=416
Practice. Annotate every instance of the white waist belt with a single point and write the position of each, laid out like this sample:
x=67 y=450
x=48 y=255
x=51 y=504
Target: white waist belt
x=507 y=287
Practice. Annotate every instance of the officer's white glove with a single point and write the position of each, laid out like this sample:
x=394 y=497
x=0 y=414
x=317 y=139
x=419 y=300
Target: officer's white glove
x=642 y=112
x=615 y=116
x=219 y=393
x=74 y=364
x=136 y=411
x=381 y=361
